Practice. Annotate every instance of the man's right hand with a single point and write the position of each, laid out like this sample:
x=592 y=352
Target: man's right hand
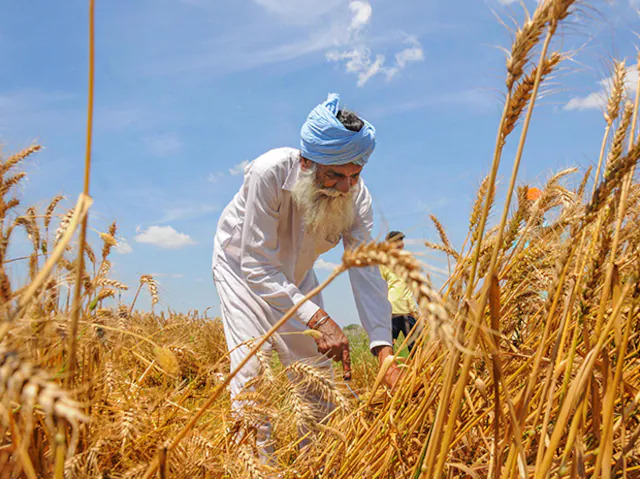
x=333 y=342
x=393 y=374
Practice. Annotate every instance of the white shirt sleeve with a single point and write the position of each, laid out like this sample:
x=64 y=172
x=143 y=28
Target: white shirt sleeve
x=259 y=261
x=369 y=289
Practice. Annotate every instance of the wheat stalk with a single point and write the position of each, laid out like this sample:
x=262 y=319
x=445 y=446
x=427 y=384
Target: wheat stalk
x=405 y=266
x=26 y=384
x=16 y=158
x=319 y=382
x=152 y=285
x=615 y=152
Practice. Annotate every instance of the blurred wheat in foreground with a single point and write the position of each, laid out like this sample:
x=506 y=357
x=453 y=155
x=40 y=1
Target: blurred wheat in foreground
x=526 y=365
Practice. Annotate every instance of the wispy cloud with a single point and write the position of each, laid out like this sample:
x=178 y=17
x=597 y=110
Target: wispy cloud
x=118 y=118
x=33 y=99
x=188 y=210
x=334 y=28
x=167 y=275
x=164 y=145
x=164 y=237
x=34 y=109
x=235 y=170
x=357 y=55
x=299 y=12
x=471 y=99
x=239 y=168
x=214 y=176
x=598 y=98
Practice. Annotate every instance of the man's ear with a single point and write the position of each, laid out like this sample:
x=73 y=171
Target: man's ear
x=305 y=163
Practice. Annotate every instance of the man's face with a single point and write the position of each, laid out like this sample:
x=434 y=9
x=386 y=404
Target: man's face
x=335 y=177
x=397 y=243
x=325 y=196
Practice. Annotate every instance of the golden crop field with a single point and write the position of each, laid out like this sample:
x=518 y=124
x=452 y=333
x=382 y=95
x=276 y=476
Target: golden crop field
x=526 y=366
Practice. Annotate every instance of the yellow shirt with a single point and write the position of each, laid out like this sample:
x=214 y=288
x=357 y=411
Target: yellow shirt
x=400 y=297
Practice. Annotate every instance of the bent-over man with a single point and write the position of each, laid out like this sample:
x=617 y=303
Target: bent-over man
x=293 y=206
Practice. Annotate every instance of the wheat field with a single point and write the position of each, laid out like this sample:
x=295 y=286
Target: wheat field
x=526 y=364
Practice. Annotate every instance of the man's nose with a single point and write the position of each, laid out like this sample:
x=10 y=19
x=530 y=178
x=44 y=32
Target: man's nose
x=343 y=185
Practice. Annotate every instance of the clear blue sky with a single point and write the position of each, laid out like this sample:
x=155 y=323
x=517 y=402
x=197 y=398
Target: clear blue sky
x=186 y=91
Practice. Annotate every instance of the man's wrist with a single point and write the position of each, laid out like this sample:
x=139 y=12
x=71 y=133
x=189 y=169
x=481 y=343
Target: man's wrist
x=382 y=351
x=315 y=324
x=318 y=318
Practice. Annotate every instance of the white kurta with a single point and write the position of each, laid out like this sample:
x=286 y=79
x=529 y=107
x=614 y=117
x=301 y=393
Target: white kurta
x=263 y=263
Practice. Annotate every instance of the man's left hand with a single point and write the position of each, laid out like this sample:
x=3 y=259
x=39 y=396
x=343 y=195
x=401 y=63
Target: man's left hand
x=333 y=341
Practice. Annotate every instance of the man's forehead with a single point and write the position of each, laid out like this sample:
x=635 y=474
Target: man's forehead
x=348 y=169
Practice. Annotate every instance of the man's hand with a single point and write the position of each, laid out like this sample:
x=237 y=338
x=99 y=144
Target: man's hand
x=392 y=374
x=333 y=342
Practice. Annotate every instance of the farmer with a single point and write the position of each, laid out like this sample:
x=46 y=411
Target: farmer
x=293 y=206
x=404 y=309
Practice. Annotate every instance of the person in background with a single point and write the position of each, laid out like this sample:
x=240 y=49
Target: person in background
x=404 y=309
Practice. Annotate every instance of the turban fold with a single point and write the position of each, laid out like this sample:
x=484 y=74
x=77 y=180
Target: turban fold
x=325 y=140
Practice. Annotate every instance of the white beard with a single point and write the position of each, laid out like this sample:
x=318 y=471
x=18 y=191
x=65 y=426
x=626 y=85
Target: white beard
x=326 y=212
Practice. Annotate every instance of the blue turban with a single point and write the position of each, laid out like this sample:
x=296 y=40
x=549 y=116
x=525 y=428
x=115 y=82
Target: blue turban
x=325 y=140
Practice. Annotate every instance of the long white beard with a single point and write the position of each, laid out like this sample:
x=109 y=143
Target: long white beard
x=326 y=212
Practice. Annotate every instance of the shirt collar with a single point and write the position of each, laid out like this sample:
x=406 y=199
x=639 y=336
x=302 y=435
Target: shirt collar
x=292 y=177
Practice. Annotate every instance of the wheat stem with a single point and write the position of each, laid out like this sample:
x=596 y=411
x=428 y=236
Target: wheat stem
x=75 y=311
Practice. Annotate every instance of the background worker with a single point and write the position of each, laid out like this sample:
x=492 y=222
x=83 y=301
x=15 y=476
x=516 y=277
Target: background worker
x=404 y=309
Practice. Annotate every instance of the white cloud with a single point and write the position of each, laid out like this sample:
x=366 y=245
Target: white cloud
x=323 y=264
x=164 y=145
x=361 y=14
x=598 y=99
x=123 y=247
x=593 y=100
x=164 y=237
x=239 y=168
x=358 y=57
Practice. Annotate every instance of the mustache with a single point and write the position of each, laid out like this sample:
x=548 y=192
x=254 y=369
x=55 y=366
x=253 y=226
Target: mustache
x=331 y=192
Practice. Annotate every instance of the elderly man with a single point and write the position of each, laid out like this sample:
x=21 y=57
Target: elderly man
x=293 y=206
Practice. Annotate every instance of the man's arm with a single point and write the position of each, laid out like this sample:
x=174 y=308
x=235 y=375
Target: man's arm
x=259 y=250
x=370 y=289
